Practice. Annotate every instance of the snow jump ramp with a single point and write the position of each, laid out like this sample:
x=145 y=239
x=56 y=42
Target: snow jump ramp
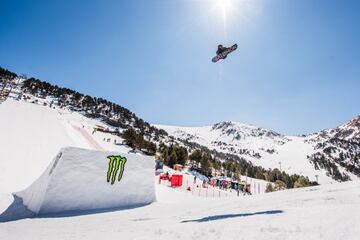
x=80 y=180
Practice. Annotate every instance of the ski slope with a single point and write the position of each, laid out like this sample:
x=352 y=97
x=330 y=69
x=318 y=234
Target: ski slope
x=323 y=212
x=44 y=171
x=32 y=134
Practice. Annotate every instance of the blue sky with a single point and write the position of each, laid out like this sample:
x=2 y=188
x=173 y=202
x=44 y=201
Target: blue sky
x=296 y=69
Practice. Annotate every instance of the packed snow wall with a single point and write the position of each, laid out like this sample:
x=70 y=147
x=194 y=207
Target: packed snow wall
x=30 y=136
x=81 y=180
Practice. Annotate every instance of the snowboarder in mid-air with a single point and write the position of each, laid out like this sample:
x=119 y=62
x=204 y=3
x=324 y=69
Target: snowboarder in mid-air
x=222 y=52
x=220 y=49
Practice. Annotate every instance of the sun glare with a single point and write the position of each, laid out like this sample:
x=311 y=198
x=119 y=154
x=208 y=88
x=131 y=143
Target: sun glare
x=224 y=6
x=227 y=16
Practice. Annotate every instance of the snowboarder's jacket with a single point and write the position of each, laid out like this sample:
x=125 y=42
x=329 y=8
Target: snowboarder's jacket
x=220 y=49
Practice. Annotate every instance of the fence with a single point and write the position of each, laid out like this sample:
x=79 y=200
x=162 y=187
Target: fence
x=198 y=189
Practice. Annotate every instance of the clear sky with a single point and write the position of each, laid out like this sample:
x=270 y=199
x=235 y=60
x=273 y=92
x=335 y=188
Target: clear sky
x=296 y=69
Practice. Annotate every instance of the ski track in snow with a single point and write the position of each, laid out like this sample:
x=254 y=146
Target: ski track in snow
x=89 y=138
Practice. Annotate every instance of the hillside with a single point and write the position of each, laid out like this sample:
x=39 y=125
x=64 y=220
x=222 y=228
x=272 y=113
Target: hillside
x=32 y=134
x=338 y=150
x=250 y=150
x=325 y=156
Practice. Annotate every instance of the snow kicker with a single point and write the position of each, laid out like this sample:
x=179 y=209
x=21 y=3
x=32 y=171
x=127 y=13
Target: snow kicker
x=78 y=180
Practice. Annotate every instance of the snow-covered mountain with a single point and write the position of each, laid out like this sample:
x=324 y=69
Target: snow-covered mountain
x=338 y=150
x=231 y=137
x=44 y=118
x=325 y=156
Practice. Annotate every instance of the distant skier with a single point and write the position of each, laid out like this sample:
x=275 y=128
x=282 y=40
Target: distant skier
x=222 y=52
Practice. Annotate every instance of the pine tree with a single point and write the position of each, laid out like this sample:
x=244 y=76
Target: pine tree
x=301 y=182
x=182 y=155
x=196 y=157
x=279 y=185
x=172 y=158
x=269 y=188
x=205 y=165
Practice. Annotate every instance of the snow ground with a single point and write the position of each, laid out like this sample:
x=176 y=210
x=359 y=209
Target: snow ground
x=323 y=212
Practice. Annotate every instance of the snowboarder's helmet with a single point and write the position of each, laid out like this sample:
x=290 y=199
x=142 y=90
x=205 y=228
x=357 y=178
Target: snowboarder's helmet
x=220 y=46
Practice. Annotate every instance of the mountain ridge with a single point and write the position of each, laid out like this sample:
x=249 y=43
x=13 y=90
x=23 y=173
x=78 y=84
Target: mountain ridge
x=235 y=138
x=225 y=140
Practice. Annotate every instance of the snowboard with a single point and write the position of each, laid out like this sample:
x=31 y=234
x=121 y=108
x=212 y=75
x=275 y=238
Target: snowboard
x=224 y=54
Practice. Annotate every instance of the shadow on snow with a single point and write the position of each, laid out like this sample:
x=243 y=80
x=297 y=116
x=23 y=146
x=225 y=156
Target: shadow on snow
x=226 y=216
x=17 y=210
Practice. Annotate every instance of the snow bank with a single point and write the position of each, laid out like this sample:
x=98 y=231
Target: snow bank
x=76 y=180
x=30 y=136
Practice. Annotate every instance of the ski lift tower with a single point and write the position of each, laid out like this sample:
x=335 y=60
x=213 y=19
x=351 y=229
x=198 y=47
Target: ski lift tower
x=280 y=165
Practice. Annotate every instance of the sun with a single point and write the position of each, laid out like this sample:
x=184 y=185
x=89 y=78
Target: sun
x=224 y=6
x=228 y=16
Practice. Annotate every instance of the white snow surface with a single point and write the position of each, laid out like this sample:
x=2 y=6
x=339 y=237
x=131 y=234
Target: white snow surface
x=31 y=135
x=326 y=212
x=76 y=180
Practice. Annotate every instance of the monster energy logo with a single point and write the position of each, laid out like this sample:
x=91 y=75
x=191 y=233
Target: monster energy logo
x=115 y=163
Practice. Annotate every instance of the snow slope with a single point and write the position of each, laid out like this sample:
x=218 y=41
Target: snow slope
x=322 y=212
x=31 y=135
x=76 y=180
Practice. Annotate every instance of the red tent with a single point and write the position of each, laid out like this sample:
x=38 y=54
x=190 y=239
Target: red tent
x=176 y=180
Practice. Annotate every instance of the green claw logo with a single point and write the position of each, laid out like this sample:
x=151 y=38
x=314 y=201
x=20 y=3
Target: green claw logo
x=115 y=163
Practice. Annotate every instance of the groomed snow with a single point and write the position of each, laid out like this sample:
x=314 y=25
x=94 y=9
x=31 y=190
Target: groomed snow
x=31 y=135
x=323 y=212
x=76 y=180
